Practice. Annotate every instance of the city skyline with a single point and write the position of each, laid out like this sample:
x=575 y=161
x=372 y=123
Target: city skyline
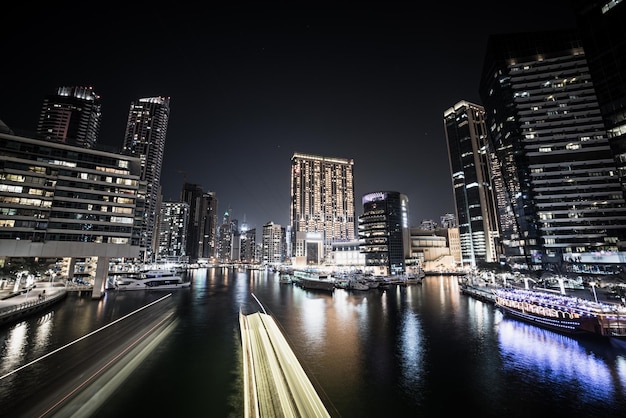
x=250 y=86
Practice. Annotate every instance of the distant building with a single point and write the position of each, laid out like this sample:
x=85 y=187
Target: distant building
x=472 y=182
x=202 y=226
x=322 y=204
x=273 y=244
x=384 y=232
x=172 y=237
x=438 y=250
x=146 y=131
x=73 y=116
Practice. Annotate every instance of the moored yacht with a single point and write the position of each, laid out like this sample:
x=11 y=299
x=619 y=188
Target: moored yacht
x=151 y=279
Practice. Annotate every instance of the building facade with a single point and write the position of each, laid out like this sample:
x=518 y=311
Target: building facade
x=601 y=25
x=384 y=232
x=172 y=236
x=146 y=131
x=322 y=202
x=273 y=244
x=59 y=200
x=73 y=116
x=547 y=132
x=472 y=182
x=202 y=226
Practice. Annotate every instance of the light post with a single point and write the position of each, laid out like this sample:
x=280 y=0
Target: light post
x=593 y=289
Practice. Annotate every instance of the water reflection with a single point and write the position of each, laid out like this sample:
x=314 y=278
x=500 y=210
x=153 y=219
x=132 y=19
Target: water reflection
x=552 y=359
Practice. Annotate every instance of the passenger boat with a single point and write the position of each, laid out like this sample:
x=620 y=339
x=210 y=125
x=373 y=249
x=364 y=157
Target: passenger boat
x=562 y=313
x=151 y=279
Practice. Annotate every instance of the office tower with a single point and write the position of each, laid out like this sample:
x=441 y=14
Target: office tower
x=552 y=149
x=202 y=227
x=322 y=203
x=601 y=27
x=226 y=235
x=248 y=246
x=72 y=115
x=146 y=131
x=474 y=194
x=272 y=247
x=384 y=232
x=172 y=238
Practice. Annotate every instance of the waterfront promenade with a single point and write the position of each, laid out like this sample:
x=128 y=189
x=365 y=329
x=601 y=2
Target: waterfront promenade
x=15 y=306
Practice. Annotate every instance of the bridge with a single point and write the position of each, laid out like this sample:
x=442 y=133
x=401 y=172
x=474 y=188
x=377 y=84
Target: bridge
x=275 y=384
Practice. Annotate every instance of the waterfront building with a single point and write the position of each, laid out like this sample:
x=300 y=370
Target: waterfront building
x=202 y=225
x=273 y=244
x=347 y=256
x=248 y=246
x=59 y=200
x=172 y=233
x=472 y=182
x=384 y=232
x=146 y=131
x=322 y=203
x=73 y=115
x=546 y=130
x=227 y=248
x=601 y=27
x=437 y=250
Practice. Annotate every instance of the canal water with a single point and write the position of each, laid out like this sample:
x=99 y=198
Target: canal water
x=418 y=350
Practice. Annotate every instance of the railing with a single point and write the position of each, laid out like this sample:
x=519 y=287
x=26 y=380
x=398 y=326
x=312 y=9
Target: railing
x=47 y=300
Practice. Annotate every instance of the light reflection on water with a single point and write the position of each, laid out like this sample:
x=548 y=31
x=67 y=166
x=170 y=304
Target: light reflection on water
x=551 y=359
x=415 y=350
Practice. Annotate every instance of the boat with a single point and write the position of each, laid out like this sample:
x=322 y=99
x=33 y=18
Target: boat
x=151 y=279
x=562 y=313
x=285 y=278
x=311 y=280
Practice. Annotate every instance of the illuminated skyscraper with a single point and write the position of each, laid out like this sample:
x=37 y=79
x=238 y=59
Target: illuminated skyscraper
x=546 y=129
x=146 y=130
x=322 y=205
x=202 y=226
x=72 y=116
x=472 y=182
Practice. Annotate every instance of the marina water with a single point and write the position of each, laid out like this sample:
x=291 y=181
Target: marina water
x=418 y=350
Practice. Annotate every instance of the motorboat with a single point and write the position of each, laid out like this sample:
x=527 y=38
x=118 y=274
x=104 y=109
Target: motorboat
x=152 y=280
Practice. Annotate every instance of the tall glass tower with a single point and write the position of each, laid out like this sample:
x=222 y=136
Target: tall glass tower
x=72 y=115
x=322 y=204
x=146 y=130
x=548 y=134
x=472 y=182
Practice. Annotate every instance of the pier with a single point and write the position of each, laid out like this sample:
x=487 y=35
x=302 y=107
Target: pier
x=275 y=384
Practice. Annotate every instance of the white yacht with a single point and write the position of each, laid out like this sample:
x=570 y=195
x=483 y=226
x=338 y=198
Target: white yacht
x=151 y=279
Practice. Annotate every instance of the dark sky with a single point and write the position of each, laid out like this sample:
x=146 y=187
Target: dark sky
x=250 y=84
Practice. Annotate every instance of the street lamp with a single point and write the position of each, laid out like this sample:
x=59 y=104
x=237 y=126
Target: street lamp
x=593 y=289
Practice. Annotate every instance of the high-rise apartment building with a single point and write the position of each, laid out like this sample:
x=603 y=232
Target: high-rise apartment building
x=322 y=203
x=202 y=227
x=472 y=182
x=547 y=132
x=601 y=25
x=384 y=232
x=146 y=131
x=172 y=238
x=72 y=115
x=272 y=244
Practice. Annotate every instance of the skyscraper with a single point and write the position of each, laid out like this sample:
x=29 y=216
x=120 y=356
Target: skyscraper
x=172 y=240
x=601 y=25
x=472 y=182
x=146 y=131
x=546 y=129
x=384 y=232
x=72 y=115
x=202 y=227
x=322 y=203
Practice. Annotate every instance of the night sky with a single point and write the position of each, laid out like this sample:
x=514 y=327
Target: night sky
x=250 y=84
